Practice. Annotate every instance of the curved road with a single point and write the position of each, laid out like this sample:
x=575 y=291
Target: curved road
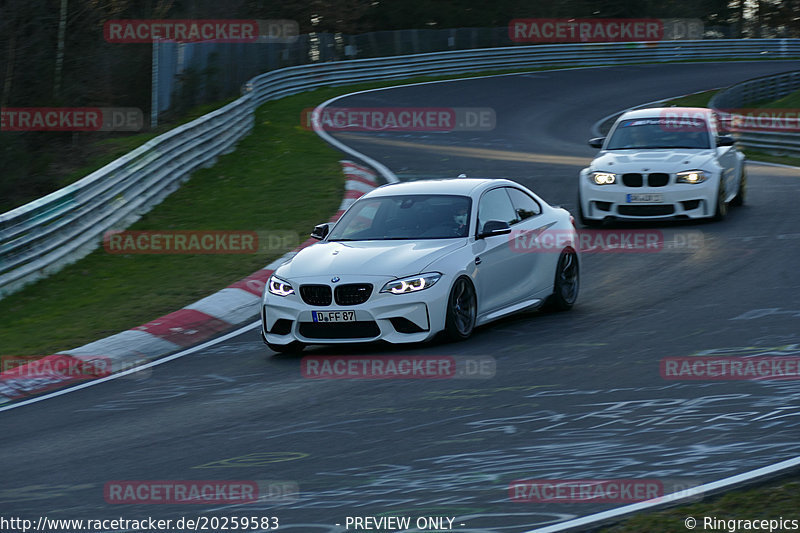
x=576 y=395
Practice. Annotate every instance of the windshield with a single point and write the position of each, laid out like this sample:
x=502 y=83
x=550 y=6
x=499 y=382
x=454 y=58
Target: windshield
x=659 y=133
x=405 y=217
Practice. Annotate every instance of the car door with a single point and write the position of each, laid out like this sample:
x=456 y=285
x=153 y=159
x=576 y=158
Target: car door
x=494 y=257
x=537 y=252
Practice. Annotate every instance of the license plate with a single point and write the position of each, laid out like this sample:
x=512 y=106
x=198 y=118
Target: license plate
x=333 y=316
x=645 y=198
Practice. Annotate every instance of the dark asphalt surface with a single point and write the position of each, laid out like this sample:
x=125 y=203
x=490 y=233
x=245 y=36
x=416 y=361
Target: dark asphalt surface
x=576 y=395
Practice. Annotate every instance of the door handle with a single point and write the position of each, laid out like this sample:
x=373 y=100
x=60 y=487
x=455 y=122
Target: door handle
x=477 y=260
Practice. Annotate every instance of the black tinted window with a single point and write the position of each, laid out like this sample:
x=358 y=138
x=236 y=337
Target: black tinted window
x=496 y=205
x=524 y=205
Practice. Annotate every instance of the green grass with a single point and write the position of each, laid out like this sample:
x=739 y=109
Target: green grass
x=769 y=158
x=700 y=99
x=772 y=501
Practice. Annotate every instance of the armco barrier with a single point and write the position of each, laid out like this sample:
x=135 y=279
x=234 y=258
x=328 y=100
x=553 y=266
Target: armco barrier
x=759 y=90
x=41 y=237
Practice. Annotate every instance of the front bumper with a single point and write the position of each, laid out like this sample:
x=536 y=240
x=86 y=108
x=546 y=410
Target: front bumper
x=394 y=318
x=678 y=201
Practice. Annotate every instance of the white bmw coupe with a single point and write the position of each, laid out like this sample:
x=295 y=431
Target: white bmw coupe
x=662 y=163
x=410 y=260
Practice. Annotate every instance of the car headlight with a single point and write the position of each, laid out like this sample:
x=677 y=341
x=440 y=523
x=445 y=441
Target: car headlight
x=279 y=287
x=691 y=176
x=603 y=178
x=412 y=283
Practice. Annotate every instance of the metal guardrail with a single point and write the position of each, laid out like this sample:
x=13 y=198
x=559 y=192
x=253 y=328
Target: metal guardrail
x=757 y=90
x=41 y=237
x=753 y=92
x=780 y=144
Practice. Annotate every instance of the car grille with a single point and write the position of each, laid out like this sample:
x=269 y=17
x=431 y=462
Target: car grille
x=632 y=180
x=316 y=294
x=365 y=329
x=352 y=293
x=646 y=210
x=657 y=179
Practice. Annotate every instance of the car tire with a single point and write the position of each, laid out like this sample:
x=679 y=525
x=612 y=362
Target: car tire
x=566 y=284
x=462 y=310
x=721 y=209
x=741 y=194
x=586 y=222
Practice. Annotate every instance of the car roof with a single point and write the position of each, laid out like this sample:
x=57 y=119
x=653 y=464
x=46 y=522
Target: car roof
x=666 y=112
x=458 y=186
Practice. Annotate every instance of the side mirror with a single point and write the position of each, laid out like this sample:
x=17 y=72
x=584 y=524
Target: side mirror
x=725 y=140
x=494 y=227
x=321 y=231
x=597 y=142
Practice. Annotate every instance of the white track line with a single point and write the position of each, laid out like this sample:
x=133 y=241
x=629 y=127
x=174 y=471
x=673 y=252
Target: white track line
x=714 y=486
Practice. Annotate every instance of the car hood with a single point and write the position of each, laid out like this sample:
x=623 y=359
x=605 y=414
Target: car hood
x=671 y=161
x=368 y=258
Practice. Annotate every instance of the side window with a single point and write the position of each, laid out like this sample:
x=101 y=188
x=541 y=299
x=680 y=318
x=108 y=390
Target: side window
x=496 y=205
x=524 y=205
